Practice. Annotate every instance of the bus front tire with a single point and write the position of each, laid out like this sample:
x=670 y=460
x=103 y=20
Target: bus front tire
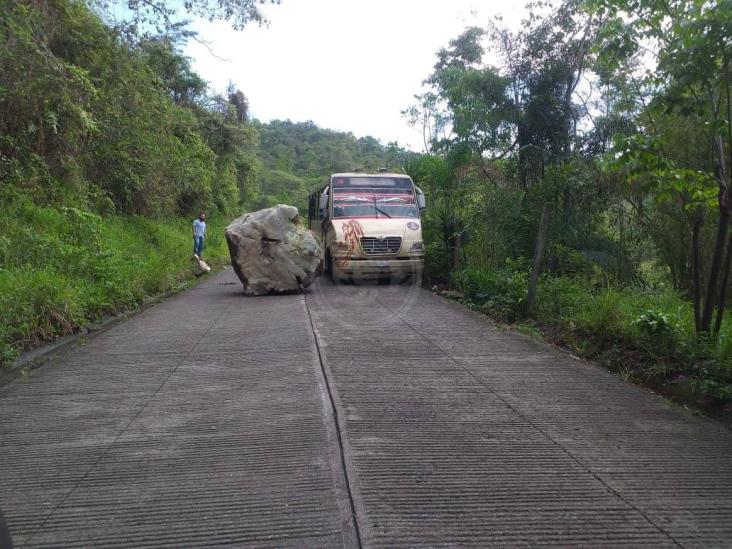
x=330 y=268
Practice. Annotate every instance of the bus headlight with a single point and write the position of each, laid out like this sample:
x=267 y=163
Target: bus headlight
x=341 y=249
x=417 y=248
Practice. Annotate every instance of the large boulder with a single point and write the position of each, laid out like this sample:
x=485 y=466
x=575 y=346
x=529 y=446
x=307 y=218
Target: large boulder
x=272 y=252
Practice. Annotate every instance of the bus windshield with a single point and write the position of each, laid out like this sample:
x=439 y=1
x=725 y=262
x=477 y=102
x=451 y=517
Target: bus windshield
x=374 y=202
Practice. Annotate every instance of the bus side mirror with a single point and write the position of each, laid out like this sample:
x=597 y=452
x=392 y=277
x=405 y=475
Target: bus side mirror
x=421 y=202
x=323 y=201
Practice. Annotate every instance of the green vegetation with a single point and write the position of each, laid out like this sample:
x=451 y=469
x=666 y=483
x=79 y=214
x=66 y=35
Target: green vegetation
x=297 y=157
x=579 y=187
x=583 y=197
x=646 y=334
x=63 y=267
x=305 y=150
x=110 y=144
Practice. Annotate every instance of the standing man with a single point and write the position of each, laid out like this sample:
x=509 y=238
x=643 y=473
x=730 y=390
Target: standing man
x=199 y=234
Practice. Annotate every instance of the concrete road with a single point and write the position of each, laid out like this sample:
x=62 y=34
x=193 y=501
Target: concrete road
x=353 y=416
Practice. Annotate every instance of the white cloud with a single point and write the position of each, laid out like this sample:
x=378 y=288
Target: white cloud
x=348 y=65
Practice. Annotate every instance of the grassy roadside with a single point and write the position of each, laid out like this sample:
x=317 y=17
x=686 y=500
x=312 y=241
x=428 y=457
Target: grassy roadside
x=62 y=268
x=644 y=335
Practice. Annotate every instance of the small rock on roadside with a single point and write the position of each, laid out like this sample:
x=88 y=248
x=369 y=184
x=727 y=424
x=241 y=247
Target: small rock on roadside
x=200 y=267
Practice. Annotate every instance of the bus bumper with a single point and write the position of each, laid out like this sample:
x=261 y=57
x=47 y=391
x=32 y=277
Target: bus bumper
x=378 y=268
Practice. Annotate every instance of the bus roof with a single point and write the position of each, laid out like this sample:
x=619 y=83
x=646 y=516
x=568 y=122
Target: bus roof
x=321 y=188
x=367 y=174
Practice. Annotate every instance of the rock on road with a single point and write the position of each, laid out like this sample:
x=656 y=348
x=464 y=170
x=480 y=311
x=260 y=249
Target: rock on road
x=352 y=416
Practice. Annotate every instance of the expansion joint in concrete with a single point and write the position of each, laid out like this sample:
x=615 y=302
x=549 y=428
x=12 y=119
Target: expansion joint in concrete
x=337 y=427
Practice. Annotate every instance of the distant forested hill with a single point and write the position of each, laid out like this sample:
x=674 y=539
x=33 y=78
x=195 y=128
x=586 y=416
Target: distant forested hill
x=297 y=156
x=304 y=149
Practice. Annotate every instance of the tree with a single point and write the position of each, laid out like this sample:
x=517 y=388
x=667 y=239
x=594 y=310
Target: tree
x=466 y=102
x=165 y=15
x=430 y=119
x=527 y=106
x=446 y=180
x=113 y=124
x=688 y=42
x=240 y=103
x=546 y=60
x=173 y=69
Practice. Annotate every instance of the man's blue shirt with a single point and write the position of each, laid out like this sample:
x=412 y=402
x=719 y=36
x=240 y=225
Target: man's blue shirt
x=199 y=228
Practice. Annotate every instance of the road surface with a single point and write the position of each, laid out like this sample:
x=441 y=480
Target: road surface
x=352 y=416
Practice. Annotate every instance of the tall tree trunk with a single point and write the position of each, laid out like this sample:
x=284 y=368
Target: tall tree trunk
x=457 y=246
x=538 y=257
x=722 y=301
x=723 y=173
x=713 y=280
x=450 y=251
x=696 y=269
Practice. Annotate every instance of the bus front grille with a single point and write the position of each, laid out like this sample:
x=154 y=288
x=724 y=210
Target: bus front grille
x=372 y=245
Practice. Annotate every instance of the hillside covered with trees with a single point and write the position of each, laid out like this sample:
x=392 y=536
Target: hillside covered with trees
x=297 y=157
x=110 y=144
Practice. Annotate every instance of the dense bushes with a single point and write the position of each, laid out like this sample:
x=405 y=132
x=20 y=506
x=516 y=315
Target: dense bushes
x=604 y=291
x=62 y=267
x=647 y=334
x=499 y=291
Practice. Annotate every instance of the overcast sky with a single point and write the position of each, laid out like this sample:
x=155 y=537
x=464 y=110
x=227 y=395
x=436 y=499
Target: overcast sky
x=348 y=65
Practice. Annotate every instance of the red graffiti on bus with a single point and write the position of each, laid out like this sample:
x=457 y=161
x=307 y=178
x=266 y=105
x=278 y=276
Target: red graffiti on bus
x=352 y=233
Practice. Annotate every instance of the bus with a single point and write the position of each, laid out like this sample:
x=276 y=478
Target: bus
x=369 y=225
